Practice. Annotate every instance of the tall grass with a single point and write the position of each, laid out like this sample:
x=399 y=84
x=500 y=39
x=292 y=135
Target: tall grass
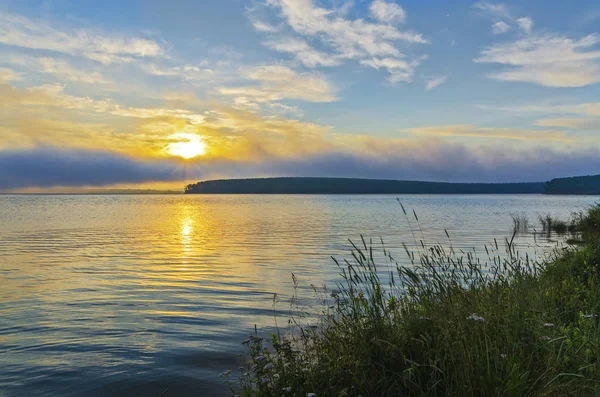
x=447 y=325
x=520 y=222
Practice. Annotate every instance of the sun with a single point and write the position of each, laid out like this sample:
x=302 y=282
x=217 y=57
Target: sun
x=188 y=145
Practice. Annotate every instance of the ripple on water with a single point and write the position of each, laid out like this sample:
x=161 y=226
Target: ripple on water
x=130 y=295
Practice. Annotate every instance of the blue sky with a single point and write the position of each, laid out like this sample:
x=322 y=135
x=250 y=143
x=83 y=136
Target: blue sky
x=453 y=90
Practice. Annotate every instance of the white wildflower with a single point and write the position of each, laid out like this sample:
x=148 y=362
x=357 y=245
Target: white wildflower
x=549 y=325
x=503 y=355
x=226 y=373
x=287 y=389
x=475 y=317
x=268 y=367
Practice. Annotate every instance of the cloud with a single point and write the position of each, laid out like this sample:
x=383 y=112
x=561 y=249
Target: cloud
x=497 y=10
x=66 y=71
x=18 y=31
x=585 y=109
x=500 y=27
x=277 y=82
x=60 y=68
x=7 y=74
x=489 y=132
x=264 y=27
x=431 y=83
x=429 y=159
x=399 y=69
x=503 y=18
x=552 y=61
x=302 y=51
x=387 y=12
x=585 y=124
x=344 y=38
x=48 y=167
x=525 y=24
x=185 y=72
x=285 y=109
x=53 y=95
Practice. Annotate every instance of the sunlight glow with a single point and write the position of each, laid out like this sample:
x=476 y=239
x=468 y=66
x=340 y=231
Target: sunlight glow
x=189 y=145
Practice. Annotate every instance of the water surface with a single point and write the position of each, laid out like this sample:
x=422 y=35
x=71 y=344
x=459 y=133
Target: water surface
x=131 y=295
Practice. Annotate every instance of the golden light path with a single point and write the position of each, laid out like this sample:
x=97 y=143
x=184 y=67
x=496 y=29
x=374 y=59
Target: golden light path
x=189 y=145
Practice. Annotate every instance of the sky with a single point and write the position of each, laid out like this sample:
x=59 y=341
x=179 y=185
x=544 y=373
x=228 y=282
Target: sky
x=157 y=94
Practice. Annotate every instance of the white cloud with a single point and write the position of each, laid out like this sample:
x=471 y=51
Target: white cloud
x=303 y=52
x=348 y=38
x=277 y=82
x=186 y=72
x=261 y=26
x=525 y=24
x=503 y=18
x=585 y=124
x=495 y=10
x=53 y=95
x=18 y=31
x=430 y=84
x=551 y=61
x=60 y=68
x=387 y=12
x=489 y=132
x=500 y=27
x=399 y=69
x=63 y=69
x=285 y=109
x=584 y=109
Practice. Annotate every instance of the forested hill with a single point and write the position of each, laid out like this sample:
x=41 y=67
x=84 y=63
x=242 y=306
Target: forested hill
x=354 y=186
x=576 y=185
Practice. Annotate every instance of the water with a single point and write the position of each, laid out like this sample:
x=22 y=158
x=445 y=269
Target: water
x=131 y=295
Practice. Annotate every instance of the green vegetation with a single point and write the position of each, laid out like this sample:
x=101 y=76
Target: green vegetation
x=580 y=223
x=575 y=185
x=449 y=325
x=354 y=186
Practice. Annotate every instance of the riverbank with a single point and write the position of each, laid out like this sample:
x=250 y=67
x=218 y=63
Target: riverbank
x=448 y=325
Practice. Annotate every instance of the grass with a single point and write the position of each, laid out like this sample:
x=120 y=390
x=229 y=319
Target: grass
x=520 y=222
x=448 y=325
x=579 y=222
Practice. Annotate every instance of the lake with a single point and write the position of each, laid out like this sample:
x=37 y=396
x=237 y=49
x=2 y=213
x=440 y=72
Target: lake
x=126 y=295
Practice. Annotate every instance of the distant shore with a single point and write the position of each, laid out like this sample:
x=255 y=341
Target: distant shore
x=586 y=185
x=307 y=185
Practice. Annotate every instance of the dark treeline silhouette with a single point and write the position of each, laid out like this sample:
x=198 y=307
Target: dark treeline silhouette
x=355 y=186
x=575 y=185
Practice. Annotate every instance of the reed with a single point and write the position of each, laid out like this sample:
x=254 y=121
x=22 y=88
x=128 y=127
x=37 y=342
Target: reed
x=520 y=222
x=449 y=324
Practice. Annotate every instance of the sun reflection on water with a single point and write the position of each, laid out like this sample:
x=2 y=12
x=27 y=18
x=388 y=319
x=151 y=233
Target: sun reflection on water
x=187 y=227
